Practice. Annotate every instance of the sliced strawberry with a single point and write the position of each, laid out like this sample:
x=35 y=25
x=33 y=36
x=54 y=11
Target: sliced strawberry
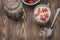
x=30 y=1
x=38 y=10
x=43 y=18
x=37 y=14
x=44 y=10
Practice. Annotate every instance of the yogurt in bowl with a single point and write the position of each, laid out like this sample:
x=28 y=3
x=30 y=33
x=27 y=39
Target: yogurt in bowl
x=42 y=13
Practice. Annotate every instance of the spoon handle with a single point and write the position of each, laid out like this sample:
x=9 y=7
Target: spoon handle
x=57 y=12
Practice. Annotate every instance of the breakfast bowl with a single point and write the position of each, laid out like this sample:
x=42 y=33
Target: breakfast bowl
x=30 y=2
x=42 y=13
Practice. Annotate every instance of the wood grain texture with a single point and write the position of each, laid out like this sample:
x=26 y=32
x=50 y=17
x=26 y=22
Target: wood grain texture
x=25 y=28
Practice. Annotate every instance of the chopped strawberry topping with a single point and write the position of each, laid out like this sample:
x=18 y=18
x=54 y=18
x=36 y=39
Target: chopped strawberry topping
x=38 y=10
x=44 y=10
x=30 y=1
x=43 y=18
x=36 y=14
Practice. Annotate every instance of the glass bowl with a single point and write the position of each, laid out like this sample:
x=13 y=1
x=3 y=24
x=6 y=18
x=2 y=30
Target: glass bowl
x=42 y=13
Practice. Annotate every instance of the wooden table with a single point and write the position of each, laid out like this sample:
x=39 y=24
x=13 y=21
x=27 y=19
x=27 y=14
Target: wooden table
x=12 y=30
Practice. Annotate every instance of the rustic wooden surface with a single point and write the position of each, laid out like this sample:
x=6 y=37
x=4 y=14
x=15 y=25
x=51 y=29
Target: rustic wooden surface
x=25 y=28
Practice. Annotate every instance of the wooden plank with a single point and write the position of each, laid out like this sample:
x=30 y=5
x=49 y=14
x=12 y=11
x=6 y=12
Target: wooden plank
x=28 y=30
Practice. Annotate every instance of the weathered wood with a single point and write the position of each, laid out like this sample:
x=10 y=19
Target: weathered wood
x=25 y=28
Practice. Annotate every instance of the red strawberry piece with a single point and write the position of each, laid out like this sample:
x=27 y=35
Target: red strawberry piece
x=43 y=18
x=38 y=10
x=44 y=10
x=37 y=14
x=30 y=1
